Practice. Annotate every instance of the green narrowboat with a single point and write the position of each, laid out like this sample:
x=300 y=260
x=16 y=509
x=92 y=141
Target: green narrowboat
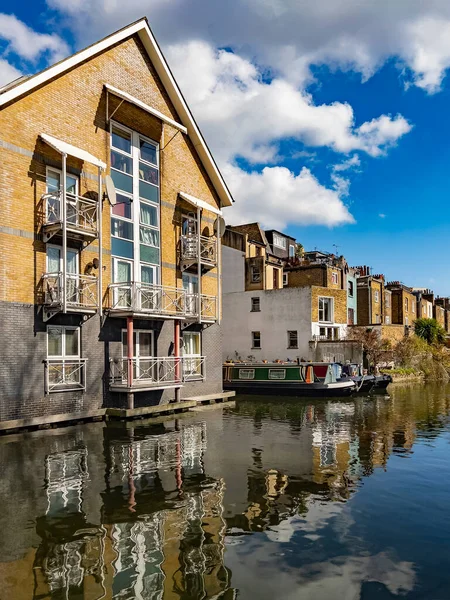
x=294 y=379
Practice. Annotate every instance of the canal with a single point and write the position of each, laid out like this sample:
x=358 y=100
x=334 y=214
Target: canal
x=274 y=499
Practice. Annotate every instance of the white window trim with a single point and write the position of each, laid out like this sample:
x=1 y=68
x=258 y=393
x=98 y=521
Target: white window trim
x=281 y=371
x=334 y=277
x=252 y=308
x=285 y=279
x=250 y=372
x=63 y=345
x=252 y=274
x=289 y=346
x=331 y=311
x=377 y=296
x=138 y=332
x=279 y=241
x=60 y=248
x=253 y=341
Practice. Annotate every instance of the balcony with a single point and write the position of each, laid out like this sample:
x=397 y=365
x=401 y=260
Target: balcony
x=79 y=291
x=139 y=299
x=153 y=373
x=196 y=248
x=64 y=375
x=82 y=213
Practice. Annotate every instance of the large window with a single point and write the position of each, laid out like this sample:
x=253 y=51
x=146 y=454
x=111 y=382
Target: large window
x=63 y=354
x=279 y=241
x=192 y=363
x=325 y=310
x=135 y=227
x=256 y=340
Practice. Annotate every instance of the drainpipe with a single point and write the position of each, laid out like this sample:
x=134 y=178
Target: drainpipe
x=176 y=351
x=64 y=230
x=100 y=253
x=370 y=301
x=130 y=395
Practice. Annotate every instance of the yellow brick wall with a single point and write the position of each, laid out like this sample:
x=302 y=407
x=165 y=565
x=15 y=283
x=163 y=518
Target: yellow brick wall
x=306 y=277
x=340 y=303
x=72 y=108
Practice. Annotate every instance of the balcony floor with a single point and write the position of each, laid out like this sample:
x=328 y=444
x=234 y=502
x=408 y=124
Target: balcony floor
x=142 y=386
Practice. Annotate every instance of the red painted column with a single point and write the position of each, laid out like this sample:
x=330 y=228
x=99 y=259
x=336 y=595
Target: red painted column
x=176 y=351
x=130 y=360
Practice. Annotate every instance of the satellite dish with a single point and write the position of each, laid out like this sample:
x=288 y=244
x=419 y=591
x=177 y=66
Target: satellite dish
x=219 y=227
x=110 y=190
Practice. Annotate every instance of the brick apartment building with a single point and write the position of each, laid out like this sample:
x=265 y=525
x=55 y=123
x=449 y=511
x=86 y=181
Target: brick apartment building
x=108 y=299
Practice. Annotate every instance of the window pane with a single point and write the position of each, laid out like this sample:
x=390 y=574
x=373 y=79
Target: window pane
x=121 y=140
x=191 y=343
x=122 y=229
x=122 y=181
x=123 y=271
x=54 y=337
x=122 y=208
x=71 y=184
x=145 y=343
x=148 y=192
x=148 y=173
x=53 y=181
x=148 y=214
x=122 y=248
x=71 y=342
x=147 y=274
x=148 y=152
x=53 y=259
x=149 y=236
x=149 y=254
x=121 y=162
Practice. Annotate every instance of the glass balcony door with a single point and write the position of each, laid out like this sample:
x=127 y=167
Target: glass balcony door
x=190 y=285
x=143 y=359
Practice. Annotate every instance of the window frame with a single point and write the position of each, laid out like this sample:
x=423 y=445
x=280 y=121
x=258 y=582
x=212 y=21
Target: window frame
x=256 y=300
x=253 y=340
x=249 y=371
x=255 y=278
x=331 y=304
x=377 y=296
x=279 y=241
x=281 y=371
x=63 y=356
x=350 y=288
x=334 y=277
x=285 y=279
x=290 y=344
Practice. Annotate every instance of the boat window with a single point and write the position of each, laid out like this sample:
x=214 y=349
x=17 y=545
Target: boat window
x=277 y=373
x=246 y=373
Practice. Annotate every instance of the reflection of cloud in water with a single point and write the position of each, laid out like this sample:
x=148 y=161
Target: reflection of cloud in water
x=317 y=517
x=343 y=576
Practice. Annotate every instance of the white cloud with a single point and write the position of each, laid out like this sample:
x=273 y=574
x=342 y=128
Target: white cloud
x=244 y=116
x=290 y=36
x=382 y=216
x=351 y=163
x=7 y=72
x=276 y=197
x=29 y=44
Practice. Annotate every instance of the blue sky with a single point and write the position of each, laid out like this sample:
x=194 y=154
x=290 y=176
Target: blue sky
x=328 y=120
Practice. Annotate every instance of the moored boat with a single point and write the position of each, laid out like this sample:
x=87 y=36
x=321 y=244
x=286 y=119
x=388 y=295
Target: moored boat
x=364 y=383
x=290 y=378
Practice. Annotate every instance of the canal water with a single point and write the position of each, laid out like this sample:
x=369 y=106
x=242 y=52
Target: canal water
x=274 y=499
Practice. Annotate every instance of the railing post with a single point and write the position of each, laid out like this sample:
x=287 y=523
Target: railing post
x=199 y=263
x=63 y=196
x=46 y=379
x=176 y=347
x=130 y=395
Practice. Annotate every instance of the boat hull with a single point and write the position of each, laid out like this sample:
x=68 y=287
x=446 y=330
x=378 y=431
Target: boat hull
x=301 y=390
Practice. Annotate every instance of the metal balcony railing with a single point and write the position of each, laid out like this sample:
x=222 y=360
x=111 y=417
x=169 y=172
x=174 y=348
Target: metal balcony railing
x=193 y=368
x=198 y=247
x=160 y=301
x=157 y=300
x=156 y=372
x=81 y=291
x=64 y=375
x=81 y=213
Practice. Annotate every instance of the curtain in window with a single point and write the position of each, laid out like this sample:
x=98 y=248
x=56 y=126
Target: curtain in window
x=148 y=215
x=149 y=236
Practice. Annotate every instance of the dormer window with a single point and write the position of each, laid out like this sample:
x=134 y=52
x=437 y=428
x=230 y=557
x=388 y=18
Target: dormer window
x=279 y=241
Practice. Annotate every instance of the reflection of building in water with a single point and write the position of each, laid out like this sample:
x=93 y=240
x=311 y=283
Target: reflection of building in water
x=70 y=556
x=163 y=517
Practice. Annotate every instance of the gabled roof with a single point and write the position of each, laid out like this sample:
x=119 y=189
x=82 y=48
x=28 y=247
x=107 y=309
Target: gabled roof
x=22 y=86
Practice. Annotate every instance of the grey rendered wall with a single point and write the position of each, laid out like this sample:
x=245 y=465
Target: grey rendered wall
x=233 y=270
x=281 y=311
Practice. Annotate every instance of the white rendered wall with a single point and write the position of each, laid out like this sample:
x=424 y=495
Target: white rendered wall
x=233 y=270
x=283 y=310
